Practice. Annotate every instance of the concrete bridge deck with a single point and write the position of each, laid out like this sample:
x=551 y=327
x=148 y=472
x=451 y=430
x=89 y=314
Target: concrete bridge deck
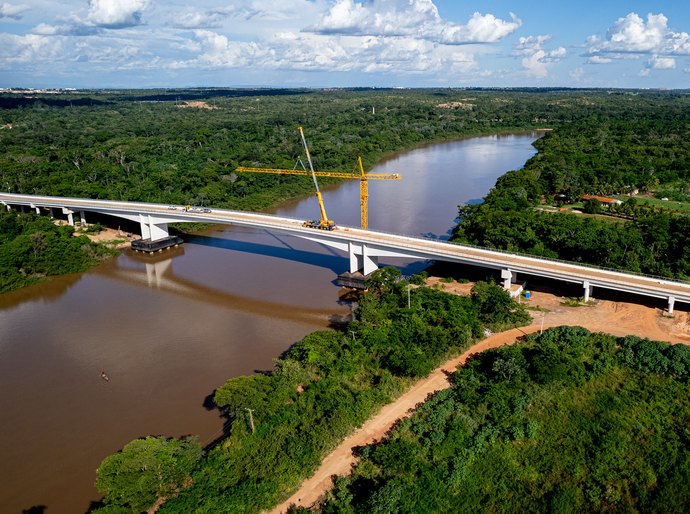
x=364 y=247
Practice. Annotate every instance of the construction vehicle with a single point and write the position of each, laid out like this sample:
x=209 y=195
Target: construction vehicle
x=324 y=223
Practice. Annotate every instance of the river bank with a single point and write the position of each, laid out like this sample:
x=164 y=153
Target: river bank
x=548 y=310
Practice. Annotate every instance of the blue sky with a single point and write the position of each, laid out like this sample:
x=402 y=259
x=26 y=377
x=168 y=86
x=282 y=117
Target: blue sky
x=343 y=43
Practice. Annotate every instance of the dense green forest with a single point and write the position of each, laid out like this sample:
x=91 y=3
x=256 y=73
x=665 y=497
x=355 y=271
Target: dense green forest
x=320 y=390
x=155 y=148
x=608 y=151
x=151 y=146
x=569 y=421
x=157 y=145
x=32 y=247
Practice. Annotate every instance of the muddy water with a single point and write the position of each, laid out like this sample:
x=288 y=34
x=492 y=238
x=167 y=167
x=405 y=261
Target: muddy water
x=168 y=330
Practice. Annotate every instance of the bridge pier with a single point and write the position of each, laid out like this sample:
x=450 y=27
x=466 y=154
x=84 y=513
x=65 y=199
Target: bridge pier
x=70 y=215
x=671 y=303
x=508 y=278
x=589 y=289
x=151 y=230
x=82 y=218
x=363 y=262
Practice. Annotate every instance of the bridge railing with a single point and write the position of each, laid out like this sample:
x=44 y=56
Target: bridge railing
x=547 y=259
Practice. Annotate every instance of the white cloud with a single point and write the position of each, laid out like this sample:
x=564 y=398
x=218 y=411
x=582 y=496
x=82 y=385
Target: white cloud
x=28 y=49
x=598 y=59
x=316 y=52
x=632 y=35
x=116 y=14
x=661 y=63
x=13 y=11
x=577 y=74
x=410 y=18
x=535 y=59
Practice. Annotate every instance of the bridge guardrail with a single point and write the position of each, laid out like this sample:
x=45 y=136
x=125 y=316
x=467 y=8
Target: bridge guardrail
x=542 y=258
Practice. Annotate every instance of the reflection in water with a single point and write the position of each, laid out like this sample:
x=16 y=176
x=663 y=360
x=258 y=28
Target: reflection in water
x=168 y=329
x=158 y=273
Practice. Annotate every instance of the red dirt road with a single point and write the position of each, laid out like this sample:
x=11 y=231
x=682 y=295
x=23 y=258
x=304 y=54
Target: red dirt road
x=616 y=318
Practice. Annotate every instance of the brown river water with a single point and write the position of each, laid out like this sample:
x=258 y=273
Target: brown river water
x=169 y=329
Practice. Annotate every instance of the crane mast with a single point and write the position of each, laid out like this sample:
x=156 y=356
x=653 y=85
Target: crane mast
x=324 y=223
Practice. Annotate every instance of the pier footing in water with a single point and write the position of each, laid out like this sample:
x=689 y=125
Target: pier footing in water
x=148 y=246
x=356 y=280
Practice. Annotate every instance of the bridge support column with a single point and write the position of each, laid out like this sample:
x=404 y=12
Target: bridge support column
x=507 y=277
x=369 y=264
x=671 y=303
x=52 y=214
x=38 y=209
x=588 y=290
x=70 y=215
x=82 y=218
x=150 y=230
x=361 y=261
x=355 y=260
x=8 y=206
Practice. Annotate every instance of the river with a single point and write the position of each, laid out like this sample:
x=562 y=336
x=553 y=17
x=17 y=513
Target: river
x=169 y=329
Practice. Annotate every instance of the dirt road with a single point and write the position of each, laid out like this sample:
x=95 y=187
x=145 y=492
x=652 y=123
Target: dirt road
x=616 y=318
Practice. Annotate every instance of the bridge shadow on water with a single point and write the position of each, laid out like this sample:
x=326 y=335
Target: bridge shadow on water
x=336 y=262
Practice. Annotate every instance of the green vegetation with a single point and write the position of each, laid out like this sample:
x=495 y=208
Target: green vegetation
x=145 y=470
x=569 y=421
x=32 y=247
x=149 y=146
x=320 y=390
x=633 y=143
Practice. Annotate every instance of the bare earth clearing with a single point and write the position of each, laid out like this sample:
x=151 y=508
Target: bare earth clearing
x=617 y=318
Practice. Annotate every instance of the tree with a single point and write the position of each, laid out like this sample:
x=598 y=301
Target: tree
x=145 y=470
x=495 y=304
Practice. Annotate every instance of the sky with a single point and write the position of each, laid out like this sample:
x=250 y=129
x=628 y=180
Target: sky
x=344 y=43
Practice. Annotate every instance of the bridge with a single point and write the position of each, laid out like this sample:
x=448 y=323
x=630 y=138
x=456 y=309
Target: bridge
x=364 y=247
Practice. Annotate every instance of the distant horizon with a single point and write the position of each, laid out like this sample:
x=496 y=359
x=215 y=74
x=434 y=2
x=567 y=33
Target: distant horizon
x=10 y=89
x=142 y=44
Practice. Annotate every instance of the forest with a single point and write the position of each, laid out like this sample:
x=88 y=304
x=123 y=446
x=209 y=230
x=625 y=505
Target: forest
x=183 y=146
x=565 y=421
x=613 y=151
x=32 y=247
x=320 y=390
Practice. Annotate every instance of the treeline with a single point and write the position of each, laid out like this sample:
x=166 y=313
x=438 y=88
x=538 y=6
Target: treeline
x=568 y=421
x=32 y=247
x=612 y=151
x=656 y=243
x=281 y=424
x=152 y=146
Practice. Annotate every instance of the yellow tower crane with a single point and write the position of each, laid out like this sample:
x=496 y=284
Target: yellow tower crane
x=364 y=178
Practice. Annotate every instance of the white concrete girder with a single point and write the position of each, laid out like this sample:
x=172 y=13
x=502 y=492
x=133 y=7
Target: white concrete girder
x=363 y=257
